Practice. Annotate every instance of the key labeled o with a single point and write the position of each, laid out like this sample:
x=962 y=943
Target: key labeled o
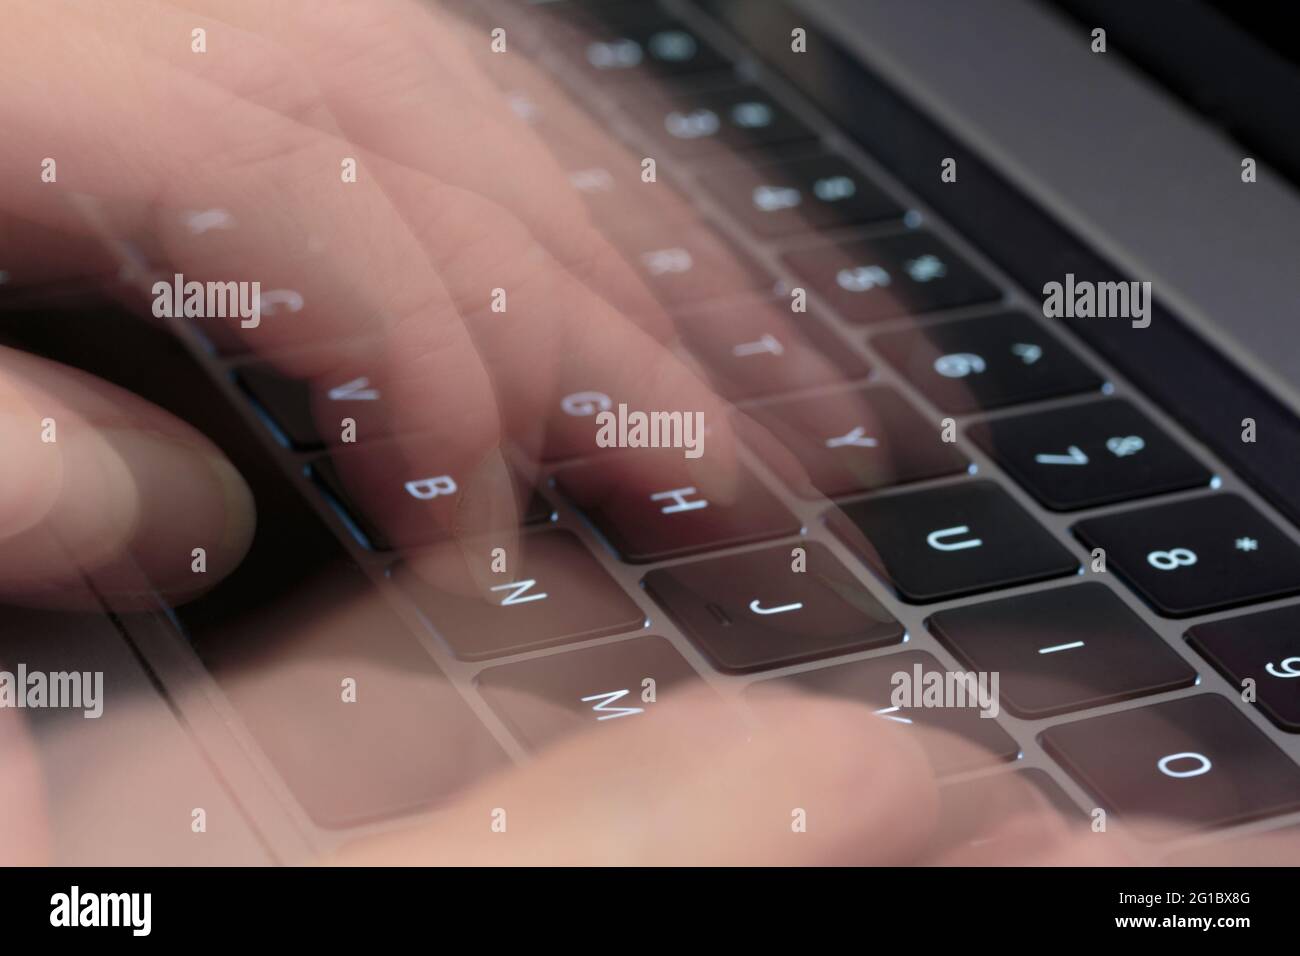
x=1200 y=764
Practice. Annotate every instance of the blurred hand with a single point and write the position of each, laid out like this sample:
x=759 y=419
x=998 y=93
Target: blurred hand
x=226 y=165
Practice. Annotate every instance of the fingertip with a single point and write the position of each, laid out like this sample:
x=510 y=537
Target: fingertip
x=867 y=789
x=135 y=512
x=195 y=518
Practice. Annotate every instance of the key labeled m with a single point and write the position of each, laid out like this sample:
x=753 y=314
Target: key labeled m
x=606 y=711
x=520 y=588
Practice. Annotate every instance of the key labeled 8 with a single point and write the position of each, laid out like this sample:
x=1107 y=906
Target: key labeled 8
x=1172 y=559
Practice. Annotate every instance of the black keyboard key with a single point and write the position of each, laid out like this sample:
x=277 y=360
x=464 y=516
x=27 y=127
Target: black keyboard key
x=757 y=348
x=297 y=409
x=1264 y=648
x=850 y=441
x=754 y=611
x=1066 y=649
x=1195 y=761
x=867 y=280
x=608 y=181
x=873 y=683
x=689 y=264
x=395 y=503
x=286 y=403
x=609 y=686
x=1197 y=555
x=643 y=48
x=553 y=592
x=719 y=121
x=800 y=195
x=945 y=542
x=648 y=515
x=1088 y=455
x=987 y=362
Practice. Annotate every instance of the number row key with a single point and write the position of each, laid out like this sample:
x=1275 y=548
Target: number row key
x=1198 y=555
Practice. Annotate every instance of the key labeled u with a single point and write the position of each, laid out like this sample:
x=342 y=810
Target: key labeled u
x=939 y=539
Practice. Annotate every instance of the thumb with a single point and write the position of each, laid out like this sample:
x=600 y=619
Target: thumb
x=104 y=493
x=824 y=784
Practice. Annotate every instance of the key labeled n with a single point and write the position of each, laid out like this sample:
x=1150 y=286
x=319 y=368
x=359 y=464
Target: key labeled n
x=517 y=591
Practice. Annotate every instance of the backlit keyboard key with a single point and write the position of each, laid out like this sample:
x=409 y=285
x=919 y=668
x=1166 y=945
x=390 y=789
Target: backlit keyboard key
x=608 y=182
x=1197 y=555
x=606 y=687
x=298 y=409
x=687 y=264
x=759 y=347
x=765 y=609
x=988 y=362
x=718 y=121
x=396 y=503
x=1065 y=649
x=873 y=683
x=651 y=514
x=867 y=280
x=1195 y=762
x=850 y=441
x=285 y=402
x=553 y=592
x=1088 y=455
x=641 y=48
x=791 y=196
x=1264 y=648
x=945 y=542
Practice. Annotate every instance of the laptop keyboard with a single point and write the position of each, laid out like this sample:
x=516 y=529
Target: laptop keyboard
x=906 y=325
